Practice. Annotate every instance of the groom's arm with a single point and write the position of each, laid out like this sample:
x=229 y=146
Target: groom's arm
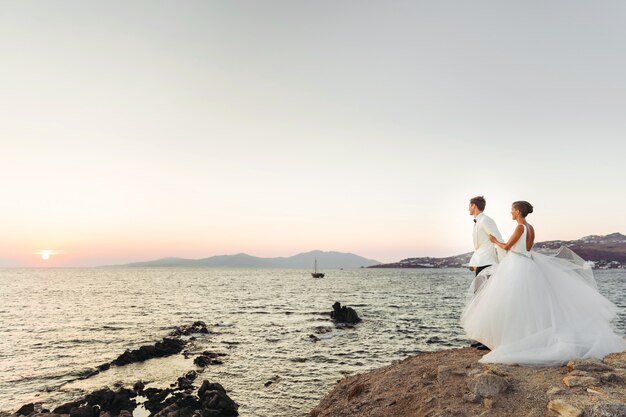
x=491 y=228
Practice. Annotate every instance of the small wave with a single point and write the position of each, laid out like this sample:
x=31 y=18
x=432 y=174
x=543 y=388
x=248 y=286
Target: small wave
x=66 y=376
x=111 y=328
x=403 y=352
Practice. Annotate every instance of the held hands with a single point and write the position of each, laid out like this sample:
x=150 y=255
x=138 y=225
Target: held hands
x=495 y=241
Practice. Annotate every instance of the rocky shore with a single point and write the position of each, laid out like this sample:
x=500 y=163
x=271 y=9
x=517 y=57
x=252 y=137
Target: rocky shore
x=451 y=383
x=182 y=398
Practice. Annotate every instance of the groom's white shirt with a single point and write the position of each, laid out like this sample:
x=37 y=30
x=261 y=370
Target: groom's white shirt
x=485 y=252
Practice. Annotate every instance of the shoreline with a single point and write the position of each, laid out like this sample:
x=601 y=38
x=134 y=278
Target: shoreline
x=444 y=383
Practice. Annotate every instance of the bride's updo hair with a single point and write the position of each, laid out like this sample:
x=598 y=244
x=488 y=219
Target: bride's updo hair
x=524 y=207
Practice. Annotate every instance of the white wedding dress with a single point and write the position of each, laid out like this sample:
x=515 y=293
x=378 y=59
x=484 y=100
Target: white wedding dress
x=540 y=310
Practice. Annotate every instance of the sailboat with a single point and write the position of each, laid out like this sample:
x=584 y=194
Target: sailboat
x=317 y=274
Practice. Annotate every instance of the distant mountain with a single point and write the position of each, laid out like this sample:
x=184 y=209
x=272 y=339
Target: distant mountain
x=605 y=251
x=325 y=260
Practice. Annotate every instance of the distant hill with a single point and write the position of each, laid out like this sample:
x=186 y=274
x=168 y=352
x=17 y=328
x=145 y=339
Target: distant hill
x=605 y=251
x=325 y=260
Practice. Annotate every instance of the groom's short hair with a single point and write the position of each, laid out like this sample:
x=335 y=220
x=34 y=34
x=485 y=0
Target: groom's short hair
x=480 y=202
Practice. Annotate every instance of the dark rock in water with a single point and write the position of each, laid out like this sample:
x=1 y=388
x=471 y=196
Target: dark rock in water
x=204 y=360
x=215 y=401
x=196 y=327
x=100 y=401
x=184 y=383
x=344 y=314
x=211 y=400
x=172 y=410
x=85 y=411
x=166 y=347
x=139 y=386
x=314 y=338
x=156 y=394
x=26 y=409
x=87 y=373
x=112 y=401
x=155 y=397
x=208 y=386
x=65 y=408
x=273 y=379
x=103 y=367
x=323 y=329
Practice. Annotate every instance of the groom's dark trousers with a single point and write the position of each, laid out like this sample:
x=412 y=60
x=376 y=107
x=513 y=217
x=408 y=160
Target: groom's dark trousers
x=480 y=268
x=479 y=345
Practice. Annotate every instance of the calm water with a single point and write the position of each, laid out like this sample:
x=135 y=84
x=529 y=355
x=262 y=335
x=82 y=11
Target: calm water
x=55 y=323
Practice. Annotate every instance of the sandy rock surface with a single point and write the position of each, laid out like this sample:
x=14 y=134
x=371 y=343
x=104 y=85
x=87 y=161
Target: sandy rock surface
x=451 y=383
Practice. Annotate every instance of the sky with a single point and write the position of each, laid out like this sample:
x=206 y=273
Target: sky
x=139 y=130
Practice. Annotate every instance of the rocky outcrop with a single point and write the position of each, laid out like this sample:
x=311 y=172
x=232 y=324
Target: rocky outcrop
x=343 y=314
x=211 y=400
x=453 y=383
x=166 y=347
x=198 y=327
x=101 y=401
x=208 y=358
x=179 y=401
x=26 y=409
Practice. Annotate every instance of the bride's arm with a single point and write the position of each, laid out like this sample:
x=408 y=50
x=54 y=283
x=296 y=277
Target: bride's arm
x=514 y=238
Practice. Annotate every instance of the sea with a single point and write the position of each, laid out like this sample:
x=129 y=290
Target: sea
x=283 y=353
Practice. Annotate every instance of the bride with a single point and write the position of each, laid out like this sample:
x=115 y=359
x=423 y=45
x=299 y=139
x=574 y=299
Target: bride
x=537 y=309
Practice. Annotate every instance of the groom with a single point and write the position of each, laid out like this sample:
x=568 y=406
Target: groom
x=485 y=253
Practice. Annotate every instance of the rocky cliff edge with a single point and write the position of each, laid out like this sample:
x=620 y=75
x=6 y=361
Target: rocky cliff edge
x=451 y=383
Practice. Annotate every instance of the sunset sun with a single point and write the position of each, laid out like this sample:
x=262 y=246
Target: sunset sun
x=46 y=254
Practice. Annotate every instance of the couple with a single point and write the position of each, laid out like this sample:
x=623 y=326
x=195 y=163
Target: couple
x=529 y=308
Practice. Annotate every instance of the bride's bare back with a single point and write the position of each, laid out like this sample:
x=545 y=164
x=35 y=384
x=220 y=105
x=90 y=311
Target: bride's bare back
x=530 y=236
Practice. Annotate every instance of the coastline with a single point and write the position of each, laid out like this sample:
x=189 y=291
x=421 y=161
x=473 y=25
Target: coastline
x=452 y=383
x=445 y=383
